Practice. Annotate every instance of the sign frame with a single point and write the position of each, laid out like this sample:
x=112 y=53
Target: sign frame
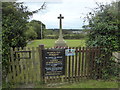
x=58 y=55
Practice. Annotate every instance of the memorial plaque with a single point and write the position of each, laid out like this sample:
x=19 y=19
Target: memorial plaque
x=54 y=62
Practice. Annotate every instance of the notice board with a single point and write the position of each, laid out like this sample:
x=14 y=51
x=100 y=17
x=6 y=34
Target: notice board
x=53 y=62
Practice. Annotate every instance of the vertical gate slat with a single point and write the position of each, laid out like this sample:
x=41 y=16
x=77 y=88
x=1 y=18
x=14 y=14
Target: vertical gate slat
x=10 y=69
x=79 y=63
x=98 y=67
x=21 y=69
x=76 y=61
x=20 y=66
x=36 y=64
x=33 y=65
x=12 y=65
x=90 y=65
x=24 y=66
x=16 y=67
x=95 y=64
x=82 y=68
x=69 y=71
x=51 y=79
x=83 y=56
x=85 y=74
x=29 y=67
x=72 y=64
x=48 y=79
x=97 y=55
x=87 y=62
x=100 y=63
x=66 y=68
x=92 y=60
x=54 y=78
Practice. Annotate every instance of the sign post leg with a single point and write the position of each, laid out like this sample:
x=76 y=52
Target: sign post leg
x=41 y=47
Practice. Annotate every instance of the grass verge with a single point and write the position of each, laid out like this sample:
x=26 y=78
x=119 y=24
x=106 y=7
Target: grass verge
x=84 y=84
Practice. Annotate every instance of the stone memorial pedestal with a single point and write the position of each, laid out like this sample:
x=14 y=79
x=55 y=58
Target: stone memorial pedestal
x=60 y=43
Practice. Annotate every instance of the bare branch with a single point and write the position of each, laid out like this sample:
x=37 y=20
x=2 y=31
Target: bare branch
x=41 y=8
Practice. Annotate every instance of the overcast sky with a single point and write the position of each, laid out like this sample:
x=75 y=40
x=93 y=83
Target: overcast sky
x=72 y=10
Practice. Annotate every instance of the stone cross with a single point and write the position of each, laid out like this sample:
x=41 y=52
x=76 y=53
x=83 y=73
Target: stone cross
x=60 y=42
x=60 y=17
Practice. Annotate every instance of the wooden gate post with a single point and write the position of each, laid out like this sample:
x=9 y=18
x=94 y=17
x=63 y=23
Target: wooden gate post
x=41 y=47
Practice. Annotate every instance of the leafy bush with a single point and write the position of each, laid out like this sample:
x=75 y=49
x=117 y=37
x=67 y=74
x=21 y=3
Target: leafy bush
x=103 y=22
x=51 y=37
x=14 y=19
x=30 y=34
x=74 y=36
x=66 y=36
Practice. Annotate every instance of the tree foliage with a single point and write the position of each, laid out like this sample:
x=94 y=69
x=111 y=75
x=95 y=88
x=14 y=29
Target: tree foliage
x=103 y=23
x=30 y=33
x=36 y=27
x=14 y=19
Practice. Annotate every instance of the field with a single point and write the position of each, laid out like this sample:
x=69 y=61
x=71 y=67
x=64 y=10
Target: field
x=50 y=43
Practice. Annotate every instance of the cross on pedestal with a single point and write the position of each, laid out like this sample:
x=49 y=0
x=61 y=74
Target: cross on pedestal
x=60 y=42
x=60 y=17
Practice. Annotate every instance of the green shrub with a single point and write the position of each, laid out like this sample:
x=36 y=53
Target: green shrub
x=74 y=36
x=66 y=36
x=51 y=37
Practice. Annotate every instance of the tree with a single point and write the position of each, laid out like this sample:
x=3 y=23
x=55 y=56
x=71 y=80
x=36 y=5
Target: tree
x=37 y=27
x=104 y=25
x=30 y=33
x=14 y=20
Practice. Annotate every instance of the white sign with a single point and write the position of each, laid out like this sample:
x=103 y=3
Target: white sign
x=69 y=52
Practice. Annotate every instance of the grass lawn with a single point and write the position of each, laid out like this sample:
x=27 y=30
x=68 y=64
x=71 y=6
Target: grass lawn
x=81 y=84
x=50 y=43
x=85 y=84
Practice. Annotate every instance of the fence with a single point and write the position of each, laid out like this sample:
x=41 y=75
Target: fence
x=82 y=65
x=26 y=65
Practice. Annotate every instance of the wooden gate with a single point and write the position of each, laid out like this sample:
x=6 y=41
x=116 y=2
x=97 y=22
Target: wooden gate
x=26 y=65
x=81 y=65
